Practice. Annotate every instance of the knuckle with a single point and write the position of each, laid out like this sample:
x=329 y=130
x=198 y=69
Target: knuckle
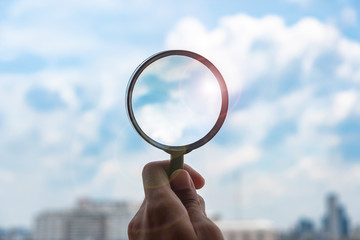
x=152 y=167
x=136 y=222
x=155 y=207
x=201 y=200
x=148 y=167
x=188 y=198
x=208 y=230
x=133 y=227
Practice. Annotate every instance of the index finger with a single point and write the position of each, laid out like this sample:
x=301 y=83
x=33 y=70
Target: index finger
x=155 y=177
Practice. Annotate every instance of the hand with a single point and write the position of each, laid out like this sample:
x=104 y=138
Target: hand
x=172 y=209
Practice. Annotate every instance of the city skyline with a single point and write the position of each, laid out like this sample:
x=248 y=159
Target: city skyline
x=108 y=219
x=318 y=223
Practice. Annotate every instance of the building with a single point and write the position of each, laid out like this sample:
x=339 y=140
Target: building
x=116 y=214
x=15 y=234
x=88 y=220
x=355 y=235
x=51 y=225
x=247 y=230
x=2 y=234
x=336 y=223
x=86 y=224
x=303 y=230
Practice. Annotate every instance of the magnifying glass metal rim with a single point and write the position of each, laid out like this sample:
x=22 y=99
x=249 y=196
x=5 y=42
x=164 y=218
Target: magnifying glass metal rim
x=182 y=149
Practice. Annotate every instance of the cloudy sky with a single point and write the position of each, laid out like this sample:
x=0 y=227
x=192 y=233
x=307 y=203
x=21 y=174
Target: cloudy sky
x=292 y=134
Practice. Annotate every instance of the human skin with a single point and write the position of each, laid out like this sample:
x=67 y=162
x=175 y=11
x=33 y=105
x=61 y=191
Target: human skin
x=172 y=209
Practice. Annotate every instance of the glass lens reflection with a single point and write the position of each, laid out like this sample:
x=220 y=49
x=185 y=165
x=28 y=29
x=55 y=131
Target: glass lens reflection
x=176 y=100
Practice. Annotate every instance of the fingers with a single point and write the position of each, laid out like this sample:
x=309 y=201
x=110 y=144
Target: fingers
x=197 y=179
x=162 y=214
x=155 y=177
x=184 y=188
x=166 y=200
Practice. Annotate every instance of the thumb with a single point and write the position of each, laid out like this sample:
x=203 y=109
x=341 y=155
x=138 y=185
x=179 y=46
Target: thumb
x=183 y=187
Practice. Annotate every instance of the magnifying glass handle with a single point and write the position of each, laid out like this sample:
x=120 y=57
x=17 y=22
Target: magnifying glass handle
x=176 y=162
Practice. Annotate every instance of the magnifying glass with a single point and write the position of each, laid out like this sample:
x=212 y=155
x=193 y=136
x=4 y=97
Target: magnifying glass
x=177 y=101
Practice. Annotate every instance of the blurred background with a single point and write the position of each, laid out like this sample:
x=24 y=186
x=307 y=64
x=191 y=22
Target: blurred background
x=285 y=164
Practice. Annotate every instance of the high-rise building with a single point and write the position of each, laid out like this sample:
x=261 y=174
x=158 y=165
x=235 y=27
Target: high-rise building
x=305 y=229
x=90 y=220
x=2 y=234
x=336 y=222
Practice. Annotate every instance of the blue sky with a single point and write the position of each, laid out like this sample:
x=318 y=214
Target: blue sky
x=293 y=72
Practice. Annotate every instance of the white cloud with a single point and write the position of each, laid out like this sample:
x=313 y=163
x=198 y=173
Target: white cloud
x=232 y=46
x=349 y=69
x=247 y=50
x=265 y=185
x=327 y=112
x=45 y=150
x=348 y=16
x=344 y=103
x=254 y=122
x=240 y=64
x=220 y=161
x=315 y=171
x=66 y=28
x=6 y=176
x=45 y=41
x=25 y=7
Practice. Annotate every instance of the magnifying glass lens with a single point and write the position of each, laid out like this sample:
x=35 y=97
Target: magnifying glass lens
x=176 y=100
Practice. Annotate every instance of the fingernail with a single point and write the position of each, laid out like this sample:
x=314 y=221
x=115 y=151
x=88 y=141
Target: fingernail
x=180 y=179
